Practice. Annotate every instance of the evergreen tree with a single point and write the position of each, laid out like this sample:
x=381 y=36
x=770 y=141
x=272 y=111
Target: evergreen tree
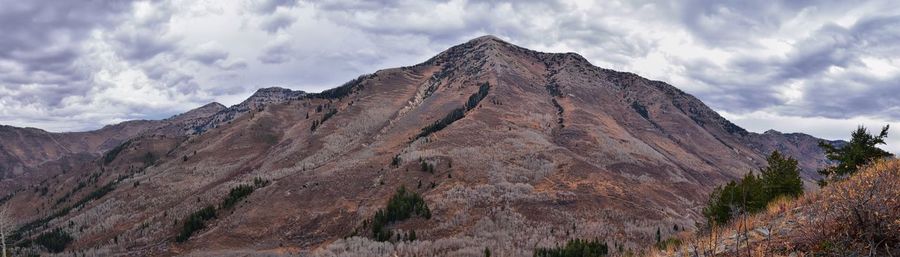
x=403 y=205
x=781 y=177
x=54 y=241
x=575 y=248
x=861 y=150
x=753 y=193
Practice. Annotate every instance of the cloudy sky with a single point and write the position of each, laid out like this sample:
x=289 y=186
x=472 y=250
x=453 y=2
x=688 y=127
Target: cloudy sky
x=820 y=67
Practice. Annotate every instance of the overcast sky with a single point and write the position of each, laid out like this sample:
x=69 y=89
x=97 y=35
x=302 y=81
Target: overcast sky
x=819 y=67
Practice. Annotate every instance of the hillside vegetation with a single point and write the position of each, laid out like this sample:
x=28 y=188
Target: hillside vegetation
x=858 y=216
x=500 y=149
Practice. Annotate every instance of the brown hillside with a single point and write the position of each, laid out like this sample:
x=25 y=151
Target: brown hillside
x=556 y=149
x=856 y=217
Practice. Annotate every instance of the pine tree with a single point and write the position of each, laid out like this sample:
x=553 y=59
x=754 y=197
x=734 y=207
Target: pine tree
x=753 y=193
x=781 y=177
x=861 y=150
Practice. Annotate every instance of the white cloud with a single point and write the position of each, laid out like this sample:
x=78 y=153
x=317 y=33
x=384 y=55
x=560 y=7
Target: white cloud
x=763 y=65
x=826 y=128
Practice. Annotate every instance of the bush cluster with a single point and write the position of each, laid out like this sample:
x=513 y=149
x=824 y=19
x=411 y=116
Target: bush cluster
x=575 y=248
x=343 y=90
x=457 y=113
x=197 y=220
x=54 y=241
x=402 y=205
x=328 y=114
x=113 y=153
x=477 y=97
x=753 y=192
x=427 y=167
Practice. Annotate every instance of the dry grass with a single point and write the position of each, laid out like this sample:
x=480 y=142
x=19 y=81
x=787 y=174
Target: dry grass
x=856 y=217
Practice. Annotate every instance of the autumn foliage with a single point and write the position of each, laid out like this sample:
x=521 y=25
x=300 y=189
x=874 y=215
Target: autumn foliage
x=856 y=216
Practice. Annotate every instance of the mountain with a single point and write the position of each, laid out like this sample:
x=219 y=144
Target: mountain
x=509 y=148
x=29 y=153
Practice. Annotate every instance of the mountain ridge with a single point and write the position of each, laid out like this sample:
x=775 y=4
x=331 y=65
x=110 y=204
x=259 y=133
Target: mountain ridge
x=554 y=141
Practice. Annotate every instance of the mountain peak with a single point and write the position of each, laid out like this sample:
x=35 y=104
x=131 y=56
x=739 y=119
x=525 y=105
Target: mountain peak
x=271 y=93
x=554 y=132
x=212 y=105
x=488 y=39
x=274 y=90
x=477 y=52
x=202 y=111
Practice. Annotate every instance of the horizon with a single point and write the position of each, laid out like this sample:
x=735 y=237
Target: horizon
x=449 y=128
x=815 y=68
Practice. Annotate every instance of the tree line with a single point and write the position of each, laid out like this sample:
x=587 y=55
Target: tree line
x=781 y=178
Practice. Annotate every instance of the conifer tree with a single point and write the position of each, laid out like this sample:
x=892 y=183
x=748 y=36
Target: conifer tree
x=860 y=151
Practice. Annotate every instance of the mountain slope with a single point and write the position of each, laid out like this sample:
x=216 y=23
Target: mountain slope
x=857 y=216
x=510 y=148
x=30 y=147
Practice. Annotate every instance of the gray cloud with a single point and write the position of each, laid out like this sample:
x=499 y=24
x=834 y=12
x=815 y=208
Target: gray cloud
x=70 y=63
x=269 y=6
x=209 y=55
x=276 y=21
x=40 y=46
x=276 y=53
x=141 y=45
x=757 y=83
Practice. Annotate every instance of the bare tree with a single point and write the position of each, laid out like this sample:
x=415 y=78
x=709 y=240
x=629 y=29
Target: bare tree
x=5 y=224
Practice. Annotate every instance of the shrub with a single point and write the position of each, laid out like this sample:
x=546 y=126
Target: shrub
x=454 y=115
x=260 y=182
x=402 y=205
x=553 y=89
x=857 y=216
x=240 y=192
x=343 y=90
x=671 y=242
x=195 y=221
x=396 y=161
x=559 y=111
x=575 y=247
x=640 y=109
x=427 y=167
x=330 y=113
x=54 y=241
x=457 y=113
x=478 y=96
x=113 y=153
x=235 y=195
x=148 y=159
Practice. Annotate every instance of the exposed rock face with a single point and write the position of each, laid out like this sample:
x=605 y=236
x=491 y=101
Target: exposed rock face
x=527 y=149
x=256 y=102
